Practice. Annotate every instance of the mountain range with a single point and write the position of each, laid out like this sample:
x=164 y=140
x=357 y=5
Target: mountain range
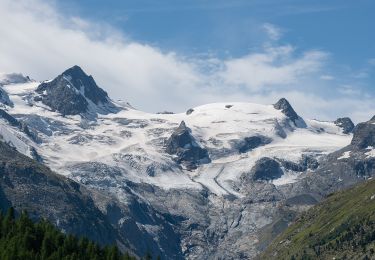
x=219 y=181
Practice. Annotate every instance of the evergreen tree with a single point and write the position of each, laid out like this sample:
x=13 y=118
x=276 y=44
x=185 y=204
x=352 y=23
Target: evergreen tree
x=22 y=239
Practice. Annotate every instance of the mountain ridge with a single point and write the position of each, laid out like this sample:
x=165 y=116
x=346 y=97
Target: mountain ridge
x=226 y=206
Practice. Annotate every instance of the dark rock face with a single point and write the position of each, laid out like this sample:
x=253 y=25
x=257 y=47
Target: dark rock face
x=71 y=92
x=309 y=162
x=253 y=142
x=279 y=130
x=165 y=113
x=19 y=124
x=288 y=110
x=266 y=169
x=189 y=111
x=11 y=120
x=346 y=124
x=364 y=135
x=373 y=118
x=292 y=166
x=183 y=145
x=4 y=98
x=306 y=162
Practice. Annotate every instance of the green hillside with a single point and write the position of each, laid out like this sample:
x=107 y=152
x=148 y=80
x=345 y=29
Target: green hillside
x=341 y=227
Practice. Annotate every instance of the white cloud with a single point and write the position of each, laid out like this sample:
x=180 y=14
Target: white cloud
x=273 y=32
x=327 y=77
x=349 y=90
x=275 y=67
x=39 y=41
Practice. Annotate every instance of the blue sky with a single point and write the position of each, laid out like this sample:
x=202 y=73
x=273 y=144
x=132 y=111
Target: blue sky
x=171 y=55
x=343 y=28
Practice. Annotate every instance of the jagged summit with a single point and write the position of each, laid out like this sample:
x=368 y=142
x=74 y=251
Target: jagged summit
x=74 y=92
x=346 y=124
x=80 y=79
x=182 y=127
x=285 y=107
x=183 y=145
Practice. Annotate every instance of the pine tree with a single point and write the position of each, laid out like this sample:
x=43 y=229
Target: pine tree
x=22 y=239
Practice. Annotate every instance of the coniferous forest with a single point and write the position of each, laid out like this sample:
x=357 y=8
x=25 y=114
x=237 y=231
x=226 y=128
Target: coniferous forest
x=21 y=238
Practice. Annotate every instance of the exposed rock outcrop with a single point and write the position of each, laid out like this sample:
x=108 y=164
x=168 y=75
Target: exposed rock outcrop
x=189 y=111
x=266 y=169
x=346 y=124
x=187 y=151
x=364 y=135
x=252 y=142
x=19 y=124
x=4 y=98
x=306 y=162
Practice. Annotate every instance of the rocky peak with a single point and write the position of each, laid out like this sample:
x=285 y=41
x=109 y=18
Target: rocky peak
x=346 y=124
x=74 y=92
x=182 y=128
x=364 y=135
x=180 y=138
x=373 y=118
x=184 y=146
x=80 y=79
x=288 y=110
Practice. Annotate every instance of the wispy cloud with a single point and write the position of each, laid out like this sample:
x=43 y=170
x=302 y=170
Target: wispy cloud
x=350 y=90
x=273 y=32
x=327 y=77
x=276 y=67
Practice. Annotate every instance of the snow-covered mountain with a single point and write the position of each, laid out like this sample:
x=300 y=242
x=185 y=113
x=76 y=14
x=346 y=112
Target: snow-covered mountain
x=218 y=173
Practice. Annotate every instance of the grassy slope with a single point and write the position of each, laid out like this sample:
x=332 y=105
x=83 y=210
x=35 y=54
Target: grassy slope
x=342 y=226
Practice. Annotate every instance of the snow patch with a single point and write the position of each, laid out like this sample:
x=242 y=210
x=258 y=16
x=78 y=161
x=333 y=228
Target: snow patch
x=371 y=153
x=345 y=155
